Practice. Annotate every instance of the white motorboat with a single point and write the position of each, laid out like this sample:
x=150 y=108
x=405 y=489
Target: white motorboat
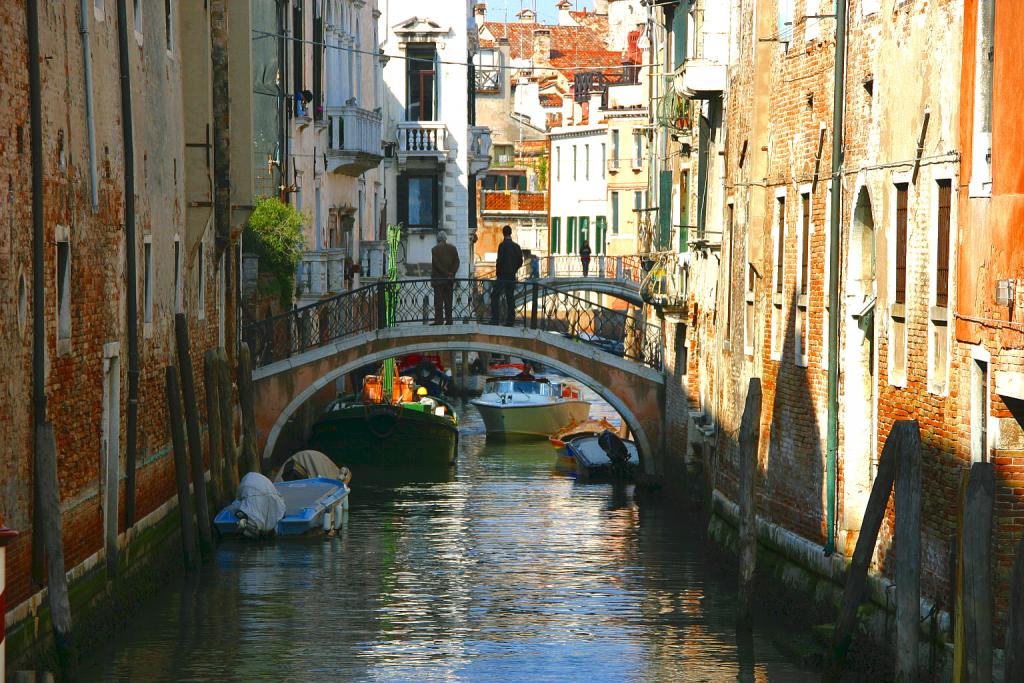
x=529 y=407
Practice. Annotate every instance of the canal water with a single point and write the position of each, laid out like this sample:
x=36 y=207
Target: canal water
x=508 y=571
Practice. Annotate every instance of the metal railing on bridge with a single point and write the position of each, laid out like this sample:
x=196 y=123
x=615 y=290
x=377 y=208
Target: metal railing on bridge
x=628 y=269
x=537 y=307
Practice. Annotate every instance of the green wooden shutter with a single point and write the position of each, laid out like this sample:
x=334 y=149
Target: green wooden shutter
x=601 y=234
x=570 y=235
x=665 y=210
x=556 y=223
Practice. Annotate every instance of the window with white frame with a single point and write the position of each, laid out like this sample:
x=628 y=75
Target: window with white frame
x=147 y=281
x=574 y=162
x=178 y=288
x=979 y=409
x=779 y=274
x=558 y=163
x=803 y=275
x=615 y=150
x=984 y=52
x=201 y=277
x=938 y=318
x=749 y=320
x=638 y=148
x=63 y=286
x=604 y=156
x=898 y=306
x=586 y=162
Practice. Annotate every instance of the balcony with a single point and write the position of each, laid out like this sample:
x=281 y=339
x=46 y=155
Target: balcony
x=354 y=140
x=513 y=202
x=320 y=273
x=613 y=165
x=702 y=79
x=479 y=149
x=422 y=140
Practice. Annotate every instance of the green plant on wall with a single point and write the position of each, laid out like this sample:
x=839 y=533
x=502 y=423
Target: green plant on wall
x=274 y=233
x=542 y=173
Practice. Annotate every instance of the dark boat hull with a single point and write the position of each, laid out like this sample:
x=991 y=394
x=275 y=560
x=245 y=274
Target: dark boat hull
x=385 y=436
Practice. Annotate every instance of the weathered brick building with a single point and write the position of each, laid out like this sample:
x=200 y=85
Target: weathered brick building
x=180 y=261
x=921 y=335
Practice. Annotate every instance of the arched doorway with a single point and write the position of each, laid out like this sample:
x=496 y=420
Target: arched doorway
x=859 y=370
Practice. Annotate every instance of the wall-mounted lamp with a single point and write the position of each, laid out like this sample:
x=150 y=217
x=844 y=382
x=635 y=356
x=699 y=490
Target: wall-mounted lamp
x=1004 y=292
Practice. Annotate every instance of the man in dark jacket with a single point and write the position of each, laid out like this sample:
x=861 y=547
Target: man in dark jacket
x=510 y=260
x=585 y=257
x=444 y=264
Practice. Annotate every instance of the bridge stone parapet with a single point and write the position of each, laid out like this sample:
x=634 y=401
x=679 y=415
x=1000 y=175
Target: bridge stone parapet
x=636 y=391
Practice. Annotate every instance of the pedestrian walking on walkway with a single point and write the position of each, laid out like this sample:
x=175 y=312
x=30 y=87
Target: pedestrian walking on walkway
x=509 y=261
x=585 y=257
x=444 y=264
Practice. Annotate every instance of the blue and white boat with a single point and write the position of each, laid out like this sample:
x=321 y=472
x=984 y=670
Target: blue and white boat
x=304 y=503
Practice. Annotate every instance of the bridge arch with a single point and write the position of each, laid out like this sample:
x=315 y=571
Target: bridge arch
x=635 y=391
x=626 y=291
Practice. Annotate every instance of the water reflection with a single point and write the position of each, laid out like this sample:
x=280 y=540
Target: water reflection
x=508 y=572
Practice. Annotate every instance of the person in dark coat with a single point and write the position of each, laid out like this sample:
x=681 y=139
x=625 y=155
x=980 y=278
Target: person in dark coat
x=444 y=264
x=585 y=257
x=510 y=260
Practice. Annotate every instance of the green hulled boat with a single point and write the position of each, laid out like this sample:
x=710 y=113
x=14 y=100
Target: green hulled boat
x=406 y=435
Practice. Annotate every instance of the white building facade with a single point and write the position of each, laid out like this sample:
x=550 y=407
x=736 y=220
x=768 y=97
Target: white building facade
x=579 y=199
x=434 y=152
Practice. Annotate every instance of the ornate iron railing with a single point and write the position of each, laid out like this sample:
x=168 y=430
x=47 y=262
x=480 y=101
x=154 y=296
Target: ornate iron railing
x=536 y=307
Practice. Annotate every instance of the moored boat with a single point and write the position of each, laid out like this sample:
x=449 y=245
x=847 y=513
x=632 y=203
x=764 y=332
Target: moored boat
x=287 y=508
x=603 y=455
x=564 y=462
x=529 y=408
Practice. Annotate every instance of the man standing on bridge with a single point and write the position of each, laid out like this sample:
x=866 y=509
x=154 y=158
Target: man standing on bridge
x=509 y=261
x=444 y=264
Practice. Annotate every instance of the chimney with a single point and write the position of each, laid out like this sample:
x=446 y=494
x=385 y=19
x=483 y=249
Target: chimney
x=541 y=46
x=526 y=16
x=564 y=17
x=480 y=13
x=601 y=7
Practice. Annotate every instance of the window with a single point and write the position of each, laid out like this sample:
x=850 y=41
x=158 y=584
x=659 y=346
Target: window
x=558 y=163
x=584 y=223
x=137 y=15
x=201 y=274
x=418 y=201
x=638 y=202
x=298 y=60
x=615 y=150
x=147 y=287
x=63 y=287
x=504 y=154
x=803 y=274
x=638 y=149
x=945 y=188
x=556 y=237
x=177 y=276
x=486 y=69
x=318 y=63
x=981 y=157
x=730 y=212
x=570 y=235
x=421 y=83
x=748 y=304
x=785 y=22
x=812 y=30
x=574 y=162
x=169 y=24
x=684 y=210
x=898 y=310
x=600 y=234
x=979 y=410
x=586 y=162
x=780 y=275
x=604 y=156
x=615 y=213
x=939 y=314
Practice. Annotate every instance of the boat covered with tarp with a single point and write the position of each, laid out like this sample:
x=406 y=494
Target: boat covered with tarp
x=287 y=508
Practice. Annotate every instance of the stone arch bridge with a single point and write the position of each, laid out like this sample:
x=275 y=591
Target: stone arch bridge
x=300 y=354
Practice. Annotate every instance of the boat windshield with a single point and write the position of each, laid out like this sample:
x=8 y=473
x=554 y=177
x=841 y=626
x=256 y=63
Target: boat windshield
x=510 y=386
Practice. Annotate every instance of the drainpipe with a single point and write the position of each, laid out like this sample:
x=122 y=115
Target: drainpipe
x=131 y=275
x=6 y=536
x=90 y=123
x=832 y=442
x=222 y=165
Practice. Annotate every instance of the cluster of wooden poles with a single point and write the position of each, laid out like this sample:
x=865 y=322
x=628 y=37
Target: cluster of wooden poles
x=227 y=456
x=899 y=467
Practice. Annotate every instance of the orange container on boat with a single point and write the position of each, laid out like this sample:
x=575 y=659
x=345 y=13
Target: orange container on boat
x=373 y=389
x=403 y=391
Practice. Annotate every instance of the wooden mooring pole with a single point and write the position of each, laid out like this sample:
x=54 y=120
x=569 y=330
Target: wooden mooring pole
x=749 y=439
x=213 y=434
x=857 y=572
x=908 y=553
x=246 y=400
x=1014 y=647
x=188 y=539
x=227 y=424
x=195 y=440
x=977 y=588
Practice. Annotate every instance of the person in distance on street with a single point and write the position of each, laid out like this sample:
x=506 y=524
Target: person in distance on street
x=509 y=261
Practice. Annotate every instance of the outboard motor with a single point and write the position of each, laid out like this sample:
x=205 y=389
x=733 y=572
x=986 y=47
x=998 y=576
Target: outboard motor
x=617 y=453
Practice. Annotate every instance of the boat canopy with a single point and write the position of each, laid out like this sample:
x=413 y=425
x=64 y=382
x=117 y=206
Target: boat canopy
x=533 y=387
